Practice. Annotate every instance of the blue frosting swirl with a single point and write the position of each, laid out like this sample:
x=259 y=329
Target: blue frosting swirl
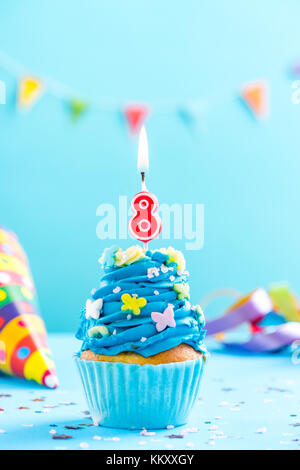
x=122 y=330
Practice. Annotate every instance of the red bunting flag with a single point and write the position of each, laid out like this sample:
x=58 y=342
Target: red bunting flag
x=135 y=115
x=255 y=95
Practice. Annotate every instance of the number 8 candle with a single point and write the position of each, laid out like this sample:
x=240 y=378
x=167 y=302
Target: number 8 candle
x=145 y=223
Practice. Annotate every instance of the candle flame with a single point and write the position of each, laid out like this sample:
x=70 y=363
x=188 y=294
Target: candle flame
x=143 y=160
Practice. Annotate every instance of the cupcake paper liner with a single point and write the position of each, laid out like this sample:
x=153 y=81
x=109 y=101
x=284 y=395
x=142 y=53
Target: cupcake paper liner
x=131 y=396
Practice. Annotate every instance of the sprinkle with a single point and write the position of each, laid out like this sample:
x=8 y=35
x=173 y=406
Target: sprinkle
x=114 y=332
x=97 y=438
x=116 y=289
x=172 y=278
x=84 y=445
x=133 y=303
x=27 y=425
x=61 y=436
x=142 y=443
x=151 y=272
x=175 y=436
x=38 y=399
x=93 y=308
x=170 y=426
x=156 y=292
x=73 y=427
x=144 y=432
x=52 y=431
x=23 y=408
x=143 y=339
x=98 y=331
x=164 y=269
x=261 y=430
x=129 y=316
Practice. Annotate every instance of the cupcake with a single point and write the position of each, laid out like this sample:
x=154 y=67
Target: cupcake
x=142 y=354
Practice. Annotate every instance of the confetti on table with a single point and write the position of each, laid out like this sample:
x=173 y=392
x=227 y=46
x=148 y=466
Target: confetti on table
x=61 y=436
x=175 y=436
x=261 y=430
x=84 y=445
x=72 y=427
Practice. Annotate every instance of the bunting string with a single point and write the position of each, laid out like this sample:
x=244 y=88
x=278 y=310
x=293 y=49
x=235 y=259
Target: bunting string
x=254 y=95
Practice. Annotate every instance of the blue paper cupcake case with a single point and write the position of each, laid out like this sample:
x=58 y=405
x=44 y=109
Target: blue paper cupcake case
x=131 y=396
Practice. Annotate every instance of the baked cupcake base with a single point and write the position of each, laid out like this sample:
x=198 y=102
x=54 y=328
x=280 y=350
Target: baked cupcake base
x=180 y=353
x=135 y=396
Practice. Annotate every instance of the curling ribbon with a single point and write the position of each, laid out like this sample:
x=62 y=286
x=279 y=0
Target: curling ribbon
x=23 y=347
x=253 y=309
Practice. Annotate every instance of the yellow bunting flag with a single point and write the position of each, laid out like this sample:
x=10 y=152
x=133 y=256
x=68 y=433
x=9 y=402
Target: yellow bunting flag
x=255 y=95
x=30 y=90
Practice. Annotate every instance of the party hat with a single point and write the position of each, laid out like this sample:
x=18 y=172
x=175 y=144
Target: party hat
x=23 y=347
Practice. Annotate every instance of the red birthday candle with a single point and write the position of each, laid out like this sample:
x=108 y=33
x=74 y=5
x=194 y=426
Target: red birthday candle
x=145 y=223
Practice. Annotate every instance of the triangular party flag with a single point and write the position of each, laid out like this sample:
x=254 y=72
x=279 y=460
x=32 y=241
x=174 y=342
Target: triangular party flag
x=255 y=96
x=135 y=115
x=23 y=344
x=191 y=114
x=77 y=108
x=30 y=90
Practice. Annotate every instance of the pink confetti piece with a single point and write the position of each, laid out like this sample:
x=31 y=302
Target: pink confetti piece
x=84 y=445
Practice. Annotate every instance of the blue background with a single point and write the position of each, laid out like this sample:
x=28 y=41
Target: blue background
x=55 y=173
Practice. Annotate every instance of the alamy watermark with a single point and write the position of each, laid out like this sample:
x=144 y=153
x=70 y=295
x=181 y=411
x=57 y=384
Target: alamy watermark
x=296 y=92
x=179 y=221
x=2 y=92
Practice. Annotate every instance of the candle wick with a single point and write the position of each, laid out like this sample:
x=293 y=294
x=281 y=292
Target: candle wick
x=143 y=181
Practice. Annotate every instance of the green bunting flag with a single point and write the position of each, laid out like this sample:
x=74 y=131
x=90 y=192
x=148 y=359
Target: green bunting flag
x=77 y=108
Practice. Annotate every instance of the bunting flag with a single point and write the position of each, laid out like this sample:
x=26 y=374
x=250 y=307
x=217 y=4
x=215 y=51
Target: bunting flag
x=77 y=108
x=255 y=95
x=191 y=114
x=30 y=90
x=135 y=116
